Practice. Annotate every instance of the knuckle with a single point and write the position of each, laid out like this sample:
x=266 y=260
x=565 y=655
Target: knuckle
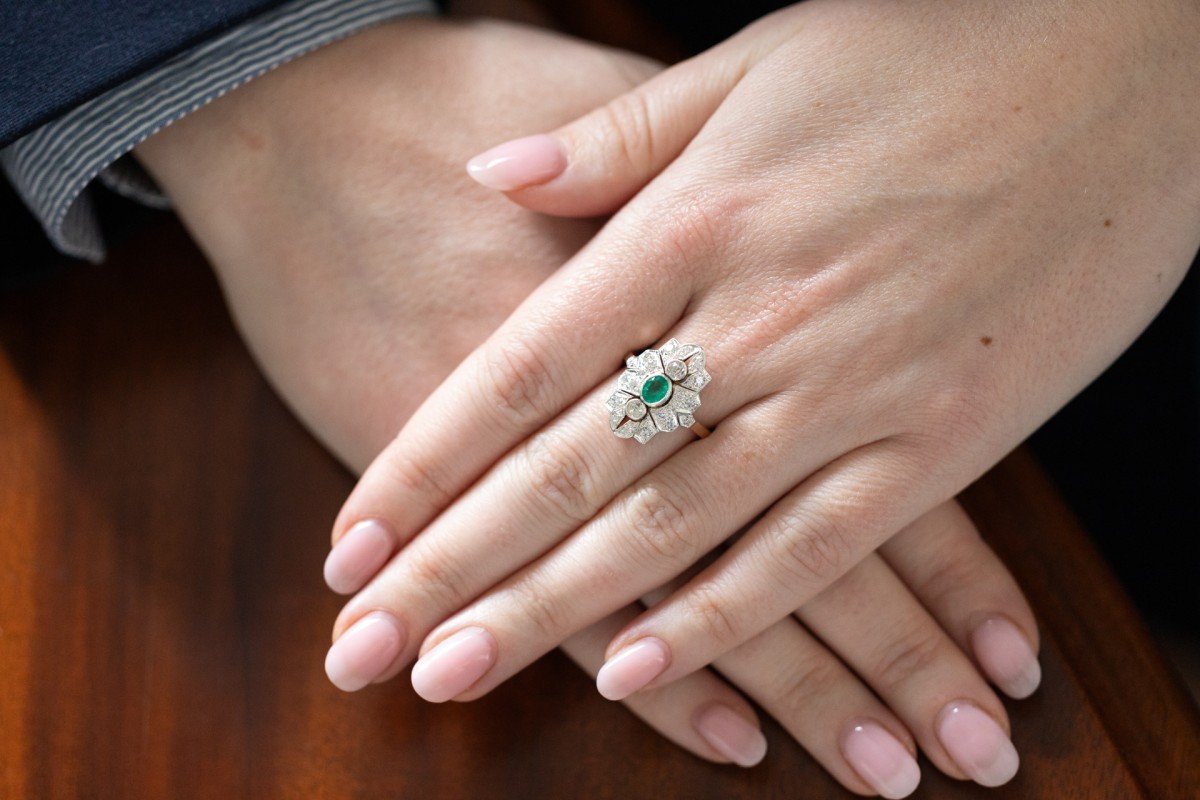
x=947 y=574
x=693 y=230
x=539 y=607
x=436 y=576
x=717 y=621
x=811 y=550
x=658 y=525
x=559 y=476
x=905 y=656
x=518 y=378
x=813 y=678
x=415 y=477
x=773 y=314
x=627 y=120
x=952 y=410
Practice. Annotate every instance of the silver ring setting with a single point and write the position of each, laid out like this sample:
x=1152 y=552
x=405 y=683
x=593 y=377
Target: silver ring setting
x=658 y=392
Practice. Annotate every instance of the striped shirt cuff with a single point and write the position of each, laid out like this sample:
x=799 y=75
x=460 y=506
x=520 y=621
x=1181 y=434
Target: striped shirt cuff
x=53 y=168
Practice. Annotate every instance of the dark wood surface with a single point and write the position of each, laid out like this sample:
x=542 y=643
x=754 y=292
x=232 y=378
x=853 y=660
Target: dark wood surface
x=163 y=520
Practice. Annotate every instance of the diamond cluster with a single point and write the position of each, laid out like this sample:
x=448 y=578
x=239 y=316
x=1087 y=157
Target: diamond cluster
x=658 y=391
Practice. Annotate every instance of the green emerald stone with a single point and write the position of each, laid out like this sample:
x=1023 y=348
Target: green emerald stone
x=655 y=390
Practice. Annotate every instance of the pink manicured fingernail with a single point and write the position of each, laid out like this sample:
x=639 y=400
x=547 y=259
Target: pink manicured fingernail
x=632 y=668
x=521 y=162
x=1007 y=657
x=455 y=665
x=364 y=651
x=732 y=735
x=977 y=744
x=881 y=760
x=357 y=556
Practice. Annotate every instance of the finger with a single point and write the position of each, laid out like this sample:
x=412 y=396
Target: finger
x=950 y=568
x=887 y=637
x=702 y=713
x=538 y=494
x=593 y=165
x=651 y=532
x=825 y=708
x=823 y=705
x=805 y=542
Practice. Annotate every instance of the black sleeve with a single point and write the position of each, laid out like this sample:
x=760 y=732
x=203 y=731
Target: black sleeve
x=56 y=55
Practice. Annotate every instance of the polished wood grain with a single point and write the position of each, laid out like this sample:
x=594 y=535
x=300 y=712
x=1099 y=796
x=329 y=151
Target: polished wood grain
x=163 y=520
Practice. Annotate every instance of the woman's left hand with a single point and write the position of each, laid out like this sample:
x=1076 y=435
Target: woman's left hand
x=904 y=235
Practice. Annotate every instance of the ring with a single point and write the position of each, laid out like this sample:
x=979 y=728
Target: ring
x=658 y=392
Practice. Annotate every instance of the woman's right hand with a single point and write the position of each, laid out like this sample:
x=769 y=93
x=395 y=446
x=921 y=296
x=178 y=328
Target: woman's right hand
x=413 y=265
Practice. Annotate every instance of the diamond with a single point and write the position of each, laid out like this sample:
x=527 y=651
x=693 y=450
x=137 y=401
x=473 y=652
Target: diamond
x=684 y=400
x=665 y=419
x=649 y=362
x=634 y=408
x=644 y=430
x=676 y=369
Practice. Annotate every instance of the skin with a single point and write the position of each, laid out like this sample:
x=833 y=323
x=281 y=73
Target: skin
x=905 y=233
x=361 y=265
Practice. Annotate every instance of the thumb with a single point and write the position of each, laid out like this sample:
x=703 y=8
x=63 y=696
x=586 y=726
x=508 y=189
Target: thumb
x=591 y=166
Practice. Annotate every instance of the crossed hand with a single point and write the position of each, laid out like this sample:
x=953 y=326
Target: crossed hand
x=900 y=246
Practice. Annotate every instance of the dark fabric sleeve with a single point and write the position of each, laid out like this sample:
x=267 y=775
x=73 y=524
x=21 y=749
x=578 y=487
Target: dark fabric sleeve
x=56 y=55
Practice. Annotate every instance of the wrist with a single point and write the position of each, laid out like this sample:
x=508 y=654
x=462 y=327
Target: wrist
x=253 y=125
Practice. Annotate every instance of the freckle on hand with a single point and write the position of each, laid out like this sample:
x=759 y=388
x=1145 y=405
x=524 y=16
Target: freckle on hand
x=986 y=341
x=252 y=140
x=1108 y=223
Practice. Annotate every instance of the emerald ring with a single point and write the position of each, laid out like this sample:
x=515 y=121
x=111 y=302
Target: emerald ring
x=658 y=392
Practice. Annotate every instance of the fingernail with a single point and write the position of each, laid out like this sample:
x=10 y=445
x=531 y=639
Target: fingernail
x=357 y=556
x=455 y=665
x=881 y=760
x=521 y=162
x=1007 y=657
x=977 y=744
x=364 y=651
x=732 y=735
x=632 y=668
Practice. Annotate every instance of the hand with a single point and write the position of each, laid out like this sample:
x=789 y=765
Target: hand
x=332 y=296
x=905 y=234
x=319 y=193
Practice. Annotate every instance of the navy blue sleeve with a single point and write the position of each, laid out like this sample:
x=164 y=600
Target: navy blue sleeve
x=56 y=55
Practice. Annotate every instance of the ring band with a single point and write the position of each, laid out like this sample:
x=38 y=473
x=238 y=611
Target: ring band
x=658 y=392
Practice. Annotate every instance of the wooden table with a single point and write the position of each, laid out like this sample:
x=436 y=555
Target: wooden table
x=163 y=520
